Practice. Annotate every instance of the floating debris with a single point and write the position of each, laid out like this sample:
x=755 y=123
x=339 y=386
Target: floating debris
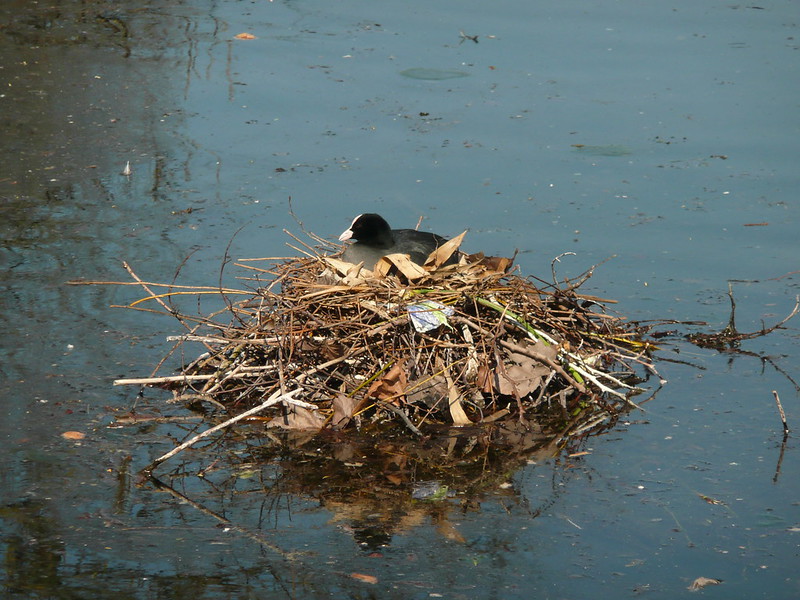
x=433 y=74
x=606 y=150
x=463 y=36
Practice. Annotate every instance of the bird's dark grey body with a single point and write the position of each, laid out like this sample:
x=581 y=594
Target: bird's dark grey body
x=375 y=239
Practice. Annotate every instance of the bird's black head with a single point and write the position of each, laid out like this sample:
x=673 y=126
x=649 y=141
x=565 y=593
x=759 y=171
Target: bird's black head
x=369 y=228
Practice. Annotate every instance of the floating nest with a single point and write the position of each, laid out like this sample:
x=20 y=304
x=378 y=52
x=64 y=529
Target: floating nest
x=319 y=344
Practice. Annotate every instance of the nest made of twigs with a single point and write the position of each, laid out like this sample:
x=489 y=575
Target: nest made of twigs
x=325 y=344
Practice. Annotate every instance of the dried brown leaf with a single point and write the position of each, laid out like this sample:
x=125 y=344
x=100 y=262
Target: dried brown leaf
x=343 y=409
x=496 y=415
x=441 y=255
x=392 y=386
x=347 y=273
x=485 y=380
x=430 y=392
x=523 y=374
x=520 y=379
x=299 y=418
x=404 y=264
x=491 y=264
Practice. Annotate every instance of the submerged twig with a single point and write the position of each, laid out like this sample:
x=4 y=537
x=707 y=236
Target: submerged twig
x=730 y=337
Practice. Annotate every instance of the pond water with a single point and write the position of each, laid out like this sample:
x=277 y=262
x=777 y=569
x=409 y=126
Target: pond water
x=664 y=135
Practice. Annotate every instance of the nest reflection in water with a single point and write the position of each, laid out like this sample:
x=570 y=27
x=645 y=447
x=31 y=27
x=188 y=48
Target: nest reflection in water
x=377 y=390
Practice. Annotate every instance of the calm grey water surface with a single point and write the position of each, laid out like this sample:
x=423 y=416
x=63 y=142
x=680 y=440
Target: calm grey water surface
x=658 y=133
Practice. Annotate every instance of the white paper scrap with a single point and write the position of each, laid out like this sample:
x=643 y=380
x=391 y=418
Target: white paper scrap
x=429 y=314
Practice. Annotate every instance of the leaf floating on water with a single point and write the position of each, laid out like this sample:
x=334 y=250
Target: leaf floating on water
x=711 y=500
x=245 y=36
x=432 y=74
x=607 y=150
x=73 y=435
x=701 y=582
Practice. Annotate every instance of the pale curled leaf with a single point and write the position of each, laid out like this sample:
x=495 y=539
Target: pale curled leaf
x=441 y=255
x=348 y=273
x=454 y=397
x=701 y=582
x=404 y=264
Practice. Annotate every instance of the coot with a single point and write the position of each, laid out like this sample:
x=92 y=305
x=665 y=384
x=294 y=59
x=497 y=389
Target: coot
x=374 y=239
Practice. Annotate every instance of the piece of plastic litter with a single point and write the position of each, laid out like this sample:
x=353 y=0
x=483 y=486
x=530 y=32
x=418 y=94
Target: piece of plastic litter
x=429 y=314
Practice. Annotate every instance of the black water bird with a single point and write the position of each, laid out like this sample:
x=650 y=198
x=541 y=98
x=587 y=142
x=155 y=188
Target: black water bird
x=375 y=239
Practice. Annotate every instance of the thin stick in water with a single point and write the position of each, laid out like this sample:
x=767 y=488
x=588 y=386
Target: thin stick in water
x=780 y=410
x=274 y=399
